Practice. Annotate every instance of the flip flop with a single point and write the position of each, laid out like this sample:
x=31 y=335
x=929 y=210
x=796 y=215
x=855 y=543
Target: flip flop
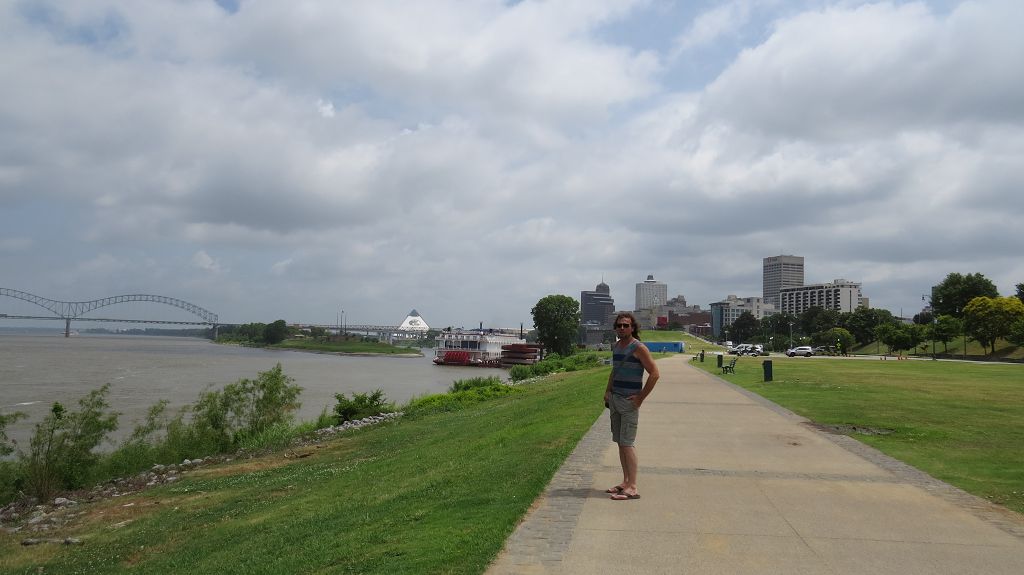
x=625 y=496
x=616 y=489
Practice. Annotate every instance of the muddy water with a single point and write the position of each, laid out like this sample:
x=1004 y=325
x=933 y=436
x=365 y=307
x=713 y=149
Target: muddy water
x=36 y=370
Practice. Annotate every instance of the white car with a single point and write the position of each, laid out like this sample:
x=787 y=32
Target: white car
x=804 y=350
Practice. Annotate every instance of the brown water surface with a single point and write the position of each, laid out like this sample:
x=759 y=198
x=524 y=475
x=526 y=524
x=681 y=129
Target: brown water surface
x=37 y=370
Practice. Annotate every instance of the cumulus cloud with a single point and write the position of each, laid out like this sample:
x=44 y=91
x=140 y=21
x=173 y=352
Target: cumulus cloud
x=467 y=159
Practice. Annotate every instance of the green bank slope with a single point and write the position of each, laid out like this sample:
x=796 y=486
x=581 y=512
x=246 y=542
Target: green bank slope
x=433 y=494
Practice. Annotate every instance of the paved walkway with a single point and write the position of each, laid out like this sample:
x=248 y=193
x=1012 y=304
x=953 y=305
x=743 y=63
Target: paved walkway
x=733 y=484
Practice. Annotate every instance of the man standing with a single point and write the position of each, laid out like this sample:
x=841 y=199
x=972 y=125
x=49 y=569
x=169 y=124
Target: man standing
x=624 y=395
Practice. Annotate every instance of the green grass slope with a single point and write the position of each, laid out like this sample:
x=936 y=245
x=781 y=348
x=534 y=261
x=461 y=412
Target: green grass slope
x=432 y=494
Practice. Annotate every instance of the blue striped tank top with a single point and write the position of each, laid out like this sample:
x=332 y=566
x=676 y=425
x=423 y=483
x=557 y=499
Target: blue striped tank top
x=628 y=378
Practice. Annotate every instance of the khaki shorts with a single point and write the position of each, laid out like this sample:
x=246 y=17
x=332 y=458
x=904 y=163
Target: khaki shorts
x=625 y=417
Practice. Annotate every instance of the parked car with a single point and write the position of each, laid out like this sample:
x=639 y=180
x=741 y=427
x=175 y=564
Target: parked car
x=804 y=350
x=747 y=349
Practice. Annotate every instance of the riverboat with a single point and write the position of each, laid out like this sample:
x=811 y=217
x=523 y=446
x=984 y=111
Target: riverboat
x=474 y=347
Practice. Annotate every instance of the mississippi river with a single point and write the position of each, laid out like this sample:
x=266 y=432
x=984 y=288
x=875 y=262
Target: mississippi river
x=37 y=370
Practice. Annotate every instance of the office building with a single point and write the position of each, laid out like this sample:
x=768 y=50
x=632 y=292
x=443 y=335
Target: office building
x=781 y=272
x=650 y=294
x=597 y=308
x=840 y=295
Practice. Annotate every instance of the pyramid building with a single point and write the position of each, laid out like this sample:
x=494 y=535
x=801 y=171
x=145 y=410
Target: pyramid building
x=413 y=322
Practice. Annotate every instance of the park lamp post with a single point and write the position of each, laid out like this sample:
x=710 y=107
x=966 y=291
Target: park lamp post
x=790 y=335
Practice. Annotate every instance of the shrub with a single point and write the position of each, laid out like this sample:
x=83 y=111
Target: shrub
x=5 y=420
x=455 y=401
x=474 y=382
x=361 y=405
x=61 y=448
x=520 y=372
x=553 y=363
x=11 y=481
x=142 y=448
x=243 y=409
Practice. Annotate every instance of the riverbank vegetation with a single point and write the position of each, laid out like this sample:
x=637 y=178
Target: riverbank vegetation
x=554 y=363
x=351 y=344
x=437 y=490
x=960 y=422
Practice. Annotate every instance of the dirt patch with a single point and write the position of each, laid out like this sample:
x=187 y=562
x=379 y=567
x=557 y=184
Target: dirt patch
x=846 y=429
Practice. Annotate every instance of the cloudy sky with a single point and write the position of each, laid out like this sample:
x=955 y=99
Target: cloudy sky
x=294 y=159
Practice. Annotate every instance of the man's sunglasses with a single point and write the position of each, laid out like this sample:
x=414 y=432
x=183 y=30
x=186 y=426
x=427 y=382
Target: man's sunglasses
x=623 y=325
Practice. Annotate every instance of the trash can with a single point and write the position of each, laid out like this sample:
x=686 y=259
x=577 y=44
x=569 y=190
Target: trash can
x=719 y=360
x=767 y=365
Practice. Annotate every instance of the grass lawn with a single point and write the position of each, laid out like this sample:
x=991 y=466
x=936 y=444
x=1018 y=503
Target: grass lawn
x=434 y=494
x=350 y=346
x=960 y=422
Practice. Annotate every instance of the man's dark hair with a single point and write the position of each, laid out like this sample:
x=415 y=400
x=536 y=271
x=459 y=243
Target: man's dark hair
x=632 y=321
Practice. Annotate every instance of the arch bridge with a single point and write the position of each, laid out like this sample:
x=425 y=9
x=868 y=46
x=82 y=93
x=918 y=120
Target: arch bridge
x=69 y=310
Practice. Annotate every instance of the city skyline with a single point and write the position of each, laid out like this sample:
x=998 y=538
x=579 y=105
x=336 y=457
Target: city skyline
x=266 y=161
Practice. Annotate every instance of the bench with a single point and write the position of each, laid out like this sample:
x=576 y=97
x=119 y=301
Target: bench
x=730 y=367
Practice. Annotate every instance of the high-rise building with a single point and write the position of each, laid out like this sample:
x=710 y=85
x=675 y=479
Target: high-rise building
x=597 y=307
x=840 y=295
x=650 y=294
x=781 y=272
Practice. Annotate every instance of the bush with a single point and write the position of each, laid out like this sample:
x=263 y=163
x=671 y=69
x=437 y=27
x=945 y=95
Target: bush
x=553 y=363
x=5 y=420
x=11 y=481
x=474 y=382
x=520 y=372
x=61 y=448
x=247 y=414
x=455 y=401
x=361 y=405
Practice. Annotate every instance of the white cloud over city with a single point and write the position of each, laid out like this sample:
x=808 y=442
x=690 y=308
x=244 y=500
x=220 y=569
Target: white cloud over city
x=271 y=160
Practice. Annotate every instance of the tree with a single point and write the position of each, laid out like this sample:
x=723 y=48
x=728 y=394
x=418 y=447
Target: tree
x=1020 y=292
x=863 y=321
x=945 y=329
x=776 y=329
x=896 y=336
x=836 y=337
x=953 y=294
x=744 y=327
x=275 y=332
x=1016 y=335
x=818 y=319
x=556 y=319
x=924 y=318
x=988 y=319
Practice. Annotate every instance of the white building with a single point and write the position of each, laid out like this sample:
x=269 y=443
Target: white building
x=650 y=294
x=840 y=295
x=725 y=312
x=413 y=322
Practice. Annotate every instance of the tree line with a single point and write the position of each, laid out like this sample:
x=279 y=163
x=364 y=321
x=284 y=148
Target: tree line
x=960 y=306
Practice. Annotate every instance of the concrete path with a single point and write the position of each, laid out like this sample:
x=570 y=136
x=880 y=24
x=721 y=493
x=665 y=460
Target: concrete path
x=733 y=484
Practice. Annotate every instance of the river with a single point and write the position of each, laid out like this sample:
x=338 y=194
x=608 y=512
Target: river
x=37 y=370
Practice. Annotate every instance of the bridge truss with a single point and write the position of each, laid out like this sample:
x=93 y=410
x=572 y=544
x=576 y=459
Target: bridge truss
x=69 y=310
